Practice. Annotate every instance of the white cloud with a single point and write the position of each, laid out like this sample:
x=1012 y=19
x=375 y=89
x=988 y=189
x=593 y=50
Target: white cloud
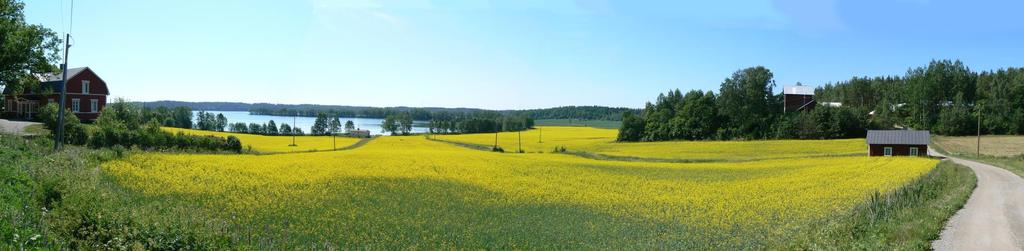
x=332 y=12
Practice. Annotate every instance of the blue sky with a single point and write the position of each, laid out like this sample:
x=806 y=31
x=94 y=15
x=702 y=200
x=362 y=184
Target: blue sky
x=511 y=54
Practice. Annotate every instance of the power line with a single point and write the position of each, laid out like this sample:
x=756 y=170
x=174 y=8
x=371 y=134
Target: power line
x=71 y=20
x=60 y=3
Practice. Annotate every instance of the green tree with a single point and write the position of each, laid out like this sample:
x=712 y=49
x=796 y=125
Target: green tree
x=285 y=129
x=699 y=115
x=256 y=128
x=239 y=127
x=747 y=103
x=182 y=117
x=222 y=122
x=334 y=126
x=349 y=126
x=390 y=125
x=25 y=49
x=936 y=86
x=320 y=125
x=632 y=127
x=405 y=123
x=271 y=128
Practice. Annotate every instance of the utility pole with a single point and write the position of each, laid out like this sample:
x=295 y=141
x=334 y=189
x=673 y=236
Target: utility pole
x=520 y=141
x=541 y=138
x=978 y=154
x=293 y=130
x=63 y=94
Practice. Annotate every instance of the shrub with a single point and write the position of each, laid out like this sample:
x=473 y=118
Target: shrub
x=234 y=144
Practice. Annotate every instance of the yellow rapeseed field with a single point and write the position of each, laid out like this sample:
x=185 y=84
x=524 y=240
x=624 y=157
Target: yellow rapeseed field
x=409 y=192
x=602 y=141
x=277 y=144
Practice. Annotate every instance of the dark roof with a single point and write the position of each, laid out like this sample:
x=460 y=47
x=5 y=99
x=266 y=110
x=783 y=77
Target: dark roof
x=52 y=81
x=50 y=77
x=898 y=137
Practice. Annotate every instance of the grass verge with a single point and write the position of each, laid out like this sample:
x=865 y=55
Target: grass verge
x=61 y=200
x=1013 y=164
x=37 y=130
x=909 y=218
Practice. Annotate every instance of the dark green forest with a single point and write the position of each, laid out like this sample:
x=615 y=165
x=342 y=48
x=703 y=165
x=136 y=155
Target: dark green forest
x=944 y=97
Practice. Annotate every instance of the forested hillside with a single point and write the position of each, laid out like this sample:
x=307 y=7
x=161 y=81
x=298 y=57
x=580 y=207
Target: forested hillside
x=943 y=97
x=417 y=113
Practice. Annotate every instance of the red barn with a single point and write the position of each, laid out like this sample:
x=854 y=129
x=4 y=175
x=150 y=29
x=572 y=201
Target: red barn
x=797 y=98
x=898 y=142
x=86 y=95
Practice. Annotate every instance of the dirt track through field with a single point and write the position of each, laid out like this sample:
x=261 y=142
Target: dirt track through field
x=993 y=218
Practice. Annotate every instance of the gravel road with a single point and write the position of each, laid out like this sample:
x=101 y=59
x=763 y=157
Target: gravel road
x=993 y=218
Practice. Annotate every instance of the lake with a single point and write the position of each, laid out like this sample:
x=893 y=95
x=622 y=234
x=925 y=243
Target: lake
x=374 y=125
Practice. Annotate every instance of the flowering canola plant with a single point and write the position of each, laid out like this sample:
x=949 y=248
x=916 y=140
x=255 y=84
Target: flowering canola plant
x=277 y=144
x=602 y=141
x=402 y=192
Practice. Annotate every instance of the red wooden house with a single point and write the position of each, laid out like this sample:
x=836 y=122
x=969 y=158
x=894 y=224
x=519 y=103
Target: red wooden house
x=86 y=95
x=898 y=142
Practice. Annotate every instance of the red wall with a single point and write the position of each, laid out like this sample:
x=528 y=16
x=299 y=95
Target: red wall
x=897 y=150
x=96 y=85
x=794 y=102
x=97 y=90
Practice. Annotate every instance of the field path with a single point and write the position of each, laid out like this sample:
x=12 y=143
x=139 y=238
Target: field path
x=993 y=218
x=358 y=144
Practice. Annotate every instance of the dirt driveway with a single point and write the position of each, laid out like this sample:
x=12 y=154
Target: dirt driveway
x=993 y=218
x=14 y=127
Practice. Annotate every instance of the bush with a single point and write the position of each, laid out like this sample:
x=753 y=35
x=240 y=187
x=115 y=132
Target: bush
x=74 y=132
x=119 y=126
x=234 y=144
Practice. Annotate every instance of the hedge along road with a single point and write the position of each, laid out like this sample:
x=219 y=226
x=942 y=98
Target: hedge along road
x=993 y=218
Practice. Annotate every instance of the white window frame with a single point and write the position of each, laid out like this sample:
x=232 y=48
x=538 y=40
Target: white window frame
x=914 y=151
x=887 y=151
x=94 y=105
x=85 y=86
x=76 y=105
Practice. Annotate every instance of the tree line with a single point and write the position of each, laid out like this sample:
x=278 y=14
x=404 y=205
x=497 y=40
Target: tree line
x=944 y=97
x=477 y=122
x=426 y=114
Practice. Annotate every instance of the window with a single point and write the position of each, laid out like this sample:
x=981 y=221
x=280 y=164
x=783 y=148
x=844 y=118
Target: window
x=85 y=86
x=94 y=105
x=50 y=100
x=75 y=106
x=913 y=151
x=887 y=151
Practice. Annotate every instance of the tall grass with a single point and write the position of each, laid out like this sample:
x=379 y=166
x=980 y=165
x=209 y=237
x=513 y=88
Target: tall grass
x=61 y=200
x=908 y=218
